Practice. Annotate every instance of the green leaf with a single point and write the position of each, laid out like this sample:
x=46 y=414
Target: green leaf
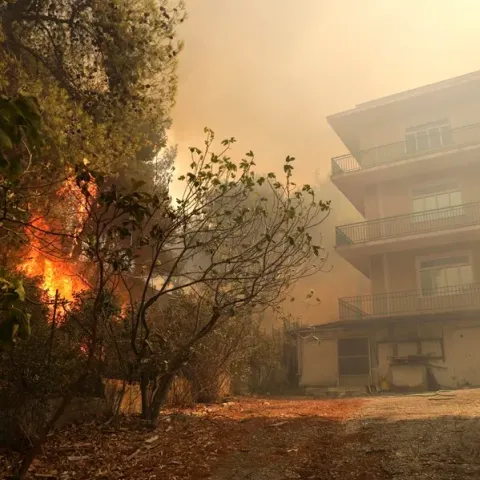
x=20 y=291
x=5 y=141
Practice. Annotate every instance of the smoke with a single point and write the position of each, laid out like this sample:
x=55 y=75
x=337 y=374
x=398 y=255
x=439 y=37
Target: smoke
x=269 y=72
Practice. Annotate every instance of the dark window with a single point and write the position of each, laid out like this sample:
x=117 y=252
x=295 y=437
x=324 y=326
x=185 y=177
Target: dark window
x=353 y=366
x=353 y=356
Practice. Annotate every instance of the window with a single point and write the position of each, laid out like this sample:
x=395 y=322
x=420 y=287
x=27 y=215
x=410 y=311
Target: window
x=428 y=137
x=445 y=275
x=353 y=356
x=435 y=198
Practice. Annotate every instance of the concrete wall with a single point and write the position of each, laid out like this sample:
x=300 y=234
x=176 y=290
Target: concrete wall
x=318 y=360
x=319 y=363
x=458 y=341
x=394 y=198
x=401 y=269
x=461 y=365
x=460 y=108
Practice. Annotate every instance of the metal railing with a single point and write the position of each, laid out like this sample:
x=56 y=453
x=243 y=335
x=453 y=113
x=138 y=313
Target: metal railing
x=416 y=302
x=395 y=152
x=410 y=224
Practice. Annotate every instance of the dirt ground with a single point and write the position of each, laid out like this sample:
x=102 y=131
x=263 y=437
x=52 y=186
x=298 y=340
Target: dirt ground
x=435 y=436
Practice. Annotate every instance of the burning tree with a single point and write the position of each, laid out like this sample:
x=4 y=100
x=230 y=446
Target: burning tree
x=103 y=78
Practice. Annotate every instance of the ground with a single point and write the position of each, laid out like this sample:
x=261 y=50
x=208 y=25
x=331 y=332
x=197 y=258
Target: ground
x=435 y=436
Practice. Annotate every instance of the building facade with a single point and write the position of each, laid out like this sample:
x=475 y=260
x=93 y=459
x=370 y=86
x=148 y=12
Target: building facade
x=413 y=171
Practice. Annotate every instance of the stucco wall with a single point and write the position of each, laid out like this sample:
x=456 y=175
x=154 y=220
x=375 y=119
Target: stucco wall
x=461 y=109
x=319 y=363
x=401 y=270
x=393 y=198
x=460 y=366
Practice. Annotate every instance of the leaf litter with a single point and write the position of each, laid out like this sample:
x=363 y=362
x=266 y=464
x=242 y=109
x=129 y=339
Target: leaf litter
x=194 y=443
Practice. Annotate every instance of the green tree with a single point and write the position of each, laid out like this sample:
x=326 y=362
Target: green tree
x=114 y=60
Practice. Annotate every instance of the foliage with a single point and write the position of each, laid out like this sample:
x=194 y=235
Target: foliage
x=20 y=127
x=103 y=78
x=113 y=65
x=35 y=371
x=221 y=241
x=14 y=320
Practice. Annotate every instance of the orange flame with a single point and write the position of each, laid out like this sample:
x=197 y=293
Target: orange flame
x=46 y=255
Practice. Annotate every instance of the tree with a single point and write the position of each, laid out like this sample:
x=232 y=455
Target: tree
x=235 y=256
x=115 y=60
x=101 y=79
x=103 y=75
x=20 y=127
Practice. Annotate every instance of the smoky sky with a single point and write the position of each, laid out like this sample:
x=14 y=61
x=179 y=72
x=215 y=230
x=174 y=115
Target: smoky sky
x=269 y=71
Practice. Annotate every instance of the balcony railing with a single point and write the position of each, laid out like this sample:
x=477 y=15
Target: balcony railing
x=410 y=224
x=417 y=302
x=395 y=152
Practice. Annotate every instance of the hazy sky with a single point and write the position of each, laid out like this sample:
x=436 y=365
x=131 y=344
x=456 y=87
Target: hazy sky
x=269 y=71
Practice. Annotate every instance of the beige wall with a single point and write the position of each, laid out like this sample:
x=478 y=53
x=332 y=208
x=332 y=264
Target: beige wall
x=397 y=271
x=319 y=362
x=461 y=109
x=393 y=198
x=459 y=367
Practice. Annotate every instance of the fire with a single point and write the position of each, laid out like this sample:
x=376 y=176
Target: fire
x=58 y=277
x=49 y=256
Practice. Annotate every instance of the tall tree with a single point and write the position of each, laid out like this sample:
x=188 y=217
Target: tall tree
x=114 y=65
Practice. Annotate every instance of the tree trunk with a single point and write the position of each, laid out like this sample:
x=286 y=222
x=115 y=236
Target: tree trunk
x=160 y=397
x=144 y=395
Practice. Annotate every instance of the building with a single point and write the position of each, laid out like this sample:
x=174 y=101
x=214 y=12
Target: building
x=413 y=172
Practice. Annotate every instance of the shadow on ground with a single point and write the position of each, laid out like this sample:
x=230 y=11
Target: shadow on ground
x=273 y=439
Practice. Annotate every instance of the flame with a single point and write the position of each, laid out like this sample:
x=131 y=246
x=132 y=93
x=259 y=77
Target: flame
x=50 y=257
x=58 y=277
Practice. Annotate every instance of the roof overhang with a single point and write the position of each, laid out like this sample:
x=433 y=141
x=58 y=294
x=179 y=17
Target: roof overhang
x=347 y=123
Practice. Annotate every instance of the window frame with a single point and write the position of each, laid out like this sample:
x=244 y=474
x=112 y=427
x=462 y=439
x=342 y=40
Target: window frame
x=368 y=355
x=418 y=216
x=456 y=253
x=424 y=129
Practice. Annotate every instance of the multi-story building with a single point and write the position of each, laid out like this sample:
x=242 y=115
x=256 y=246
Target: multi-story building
x=413 y=172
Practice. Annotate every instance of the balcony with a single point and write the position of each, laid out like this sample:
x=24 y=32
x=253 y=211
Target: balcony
x=407 y=225
x=449 y=140
x=459 y=298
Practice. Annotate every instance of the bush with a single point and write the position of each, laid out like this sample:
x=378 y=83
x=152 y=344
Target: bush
x=33 y=373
